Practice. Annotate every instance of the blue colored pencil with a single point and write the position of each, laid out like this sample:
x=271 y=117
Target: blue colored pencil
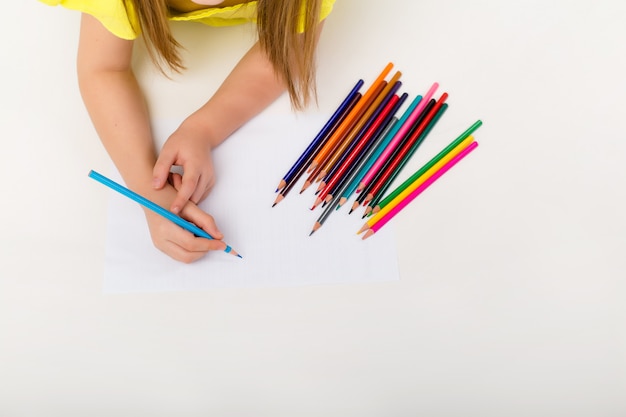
x=156 y=208
x=292 y=182
x=320 y=136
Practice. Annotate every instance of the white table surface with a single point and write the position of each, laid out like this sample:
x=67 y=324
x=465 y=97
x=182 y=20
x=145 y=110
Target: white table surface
x=510 y=301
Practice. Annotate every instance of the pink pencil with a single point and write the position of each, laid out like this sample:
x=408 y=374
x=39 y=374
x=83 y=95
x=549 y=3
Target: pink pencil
x=400 y=134
x=380 y=223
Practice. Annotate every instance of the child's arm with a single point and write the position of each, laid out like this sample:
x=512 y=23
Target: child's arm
x=250 y=87
x=119 y=114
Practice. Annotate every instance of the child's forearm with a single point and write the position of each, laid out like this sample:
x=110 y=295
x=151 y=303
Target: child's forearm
x=119 y=114
x=251 y=87
x=114 y=101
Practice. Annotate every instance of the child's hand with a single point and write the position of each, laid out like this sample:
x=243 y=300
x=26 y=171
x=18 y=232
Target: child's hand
x=175 y=241
x=189 y=148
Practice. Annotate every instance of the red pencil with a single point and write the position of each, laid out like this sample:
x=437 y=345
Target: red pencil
x=349 y=161
x=406 y=146
x=339 y=138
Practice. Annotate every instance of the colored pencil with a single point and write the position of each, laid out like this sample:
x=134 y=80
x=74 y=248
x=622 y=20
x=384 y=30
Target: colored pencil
x=156 y=208
x=356 y=152
x=402 y=204
x=427 y=166
x=366 y=118
x=325 y=214
x=359 y=131
x=348 y=188
x=292 y=182
x=380 y=127
x=364 y=192
x=314 y=173
x=379 y=195
x=396 y=139
x=319 y=138
x=380 y=147
x=349 y=121
x=414 y=137
x=420 y=180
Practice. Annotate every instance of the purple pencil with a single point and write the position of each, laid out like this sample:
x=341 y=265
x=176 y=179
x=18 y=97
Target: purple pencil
x=404 y=129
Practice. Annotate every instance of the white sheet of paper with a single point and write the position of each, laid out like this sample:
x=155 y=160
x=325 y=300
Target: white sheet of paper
x=274 y=241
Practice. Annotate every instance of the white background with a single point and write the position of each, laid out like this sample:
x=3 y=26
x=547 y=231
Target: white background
x=511 y=297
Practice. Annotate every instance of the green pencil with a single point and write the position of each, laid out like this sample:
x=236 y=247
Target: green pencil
x=379 y=195
x=426 y=167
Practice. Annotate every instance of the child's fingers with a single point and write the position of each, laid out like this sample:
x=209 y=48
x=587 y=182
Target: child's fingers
x=205 y=183
x=162 y=167
x=190 y=243
x=179 y=253
x=176 y=180
x=203 y=220
x=186 y=190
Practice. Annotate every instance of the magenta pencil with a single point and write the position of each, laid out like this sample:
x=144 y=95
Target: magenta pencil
x=400 y=134
x=402 y=204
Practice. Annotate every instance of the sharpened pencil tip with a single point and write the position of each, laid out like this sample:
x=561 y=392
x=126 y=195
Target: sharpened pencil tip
x=273 y=204
x=239 y=256
x=351 y=210
x=312 y=231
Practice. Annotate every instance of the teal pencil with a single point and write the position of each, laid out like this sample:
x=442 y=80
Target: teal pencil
x=379 y=149
x=353 y=180
x=156 y=208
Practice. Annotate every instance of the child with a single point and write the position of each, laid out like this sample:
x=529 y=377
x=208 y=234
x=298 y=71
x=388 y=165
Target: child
x=282 y=59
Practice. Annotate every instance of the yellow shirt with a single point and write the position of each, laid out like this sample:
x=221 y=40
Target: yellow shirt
x=120 y=19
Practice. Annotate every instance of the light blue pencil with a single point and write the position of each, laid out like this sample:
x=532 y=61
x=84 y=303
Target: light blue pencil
x=379 y=149
x=156 y=208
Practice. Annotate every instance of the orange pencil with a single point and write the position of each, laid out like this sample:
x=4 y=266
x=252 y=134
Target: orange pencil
x=349 y=120
x=314 y=173
x=330 y=162
x=359 y=125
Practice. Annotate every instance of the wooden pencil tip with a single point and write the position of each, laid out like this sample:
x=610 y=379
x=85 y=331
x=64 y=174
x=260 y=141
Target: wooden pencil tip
x=305 y=186
x=281 y=184
x=279 y=198
x=368 y=234
x=316 y=226
x=363 y=228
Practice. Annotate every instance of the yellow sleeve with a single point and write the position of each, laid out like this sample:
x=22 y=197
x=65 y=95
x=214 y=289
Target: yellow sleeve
x=327 y=7
x=118 y=16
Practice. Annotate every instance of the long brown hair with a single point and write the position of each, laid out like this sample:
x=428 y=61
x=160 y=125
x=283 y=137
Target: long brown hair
x=287 y=31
